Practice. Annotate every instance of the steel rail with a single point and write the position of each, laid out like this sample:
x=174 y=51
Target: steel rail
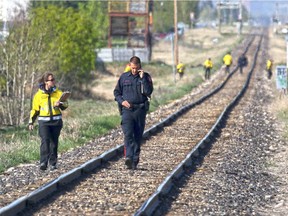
x=151 y=204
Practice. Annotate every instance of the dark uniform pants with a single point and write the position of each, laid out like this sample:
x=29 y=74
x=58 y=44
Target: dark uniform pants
x=133 y=124
x=207 y=73
x=241 y=69
x=49 y=134
x=181 y=74
x=227 y=69
x=269 y=73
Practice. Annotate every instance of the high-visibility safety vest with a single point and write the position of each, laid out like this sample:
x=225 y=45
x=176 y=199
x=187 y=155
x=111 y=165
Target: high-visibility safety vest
x=269 y=64
x=180 y=68
x=227 y=59
x=127 y=68
x=208 y=64
x=43 y=105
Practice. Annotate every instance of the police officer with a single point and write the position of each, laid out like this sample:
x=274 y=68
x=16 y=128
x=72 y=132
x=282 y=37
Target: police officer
x=242 y=62
x=132 y=92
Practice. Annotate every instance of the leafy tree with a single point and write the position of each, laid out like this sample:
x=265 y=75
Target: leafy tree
x=66 y=4
x=185 y=8
x=58 y=39
x=207 y=12
x=73 y=37
x=163 y=13
x=162 y=16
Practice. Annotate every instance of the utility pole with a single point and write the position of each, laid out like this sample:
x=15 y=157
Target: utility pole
x=176 y=34
x=286 y=38
x=240 y=17
x=219 y=15
x=276 y=19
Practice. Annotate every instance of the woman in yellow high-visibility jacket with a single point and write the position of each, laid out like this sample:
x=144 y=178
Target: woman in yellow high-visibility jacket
x=47 y=107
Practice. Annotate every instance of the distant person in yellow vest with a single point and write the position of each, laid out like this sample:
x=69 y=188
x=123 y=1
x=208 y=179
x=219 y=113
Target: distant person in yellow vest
x=207 y=67
x=269 y=66
x=127 y=68
x=227 y=60
x=180 y=69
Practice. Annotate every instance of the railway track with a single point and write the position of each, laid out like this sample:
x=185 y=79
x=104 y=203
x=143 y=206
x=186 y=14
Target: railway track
x=230 y=179
x=110 y=189
x=157 y=203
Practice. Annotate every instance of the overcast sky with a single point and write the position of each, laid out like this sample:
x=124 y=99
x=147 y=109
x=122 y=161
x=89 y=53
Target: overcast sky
x=8 y=6
x=265 y=8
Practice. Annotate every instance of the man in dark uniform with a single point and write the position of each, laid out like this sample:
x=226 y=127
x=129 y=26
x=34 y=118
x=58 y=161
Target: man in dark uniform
x=242 y=62
x=132 y=92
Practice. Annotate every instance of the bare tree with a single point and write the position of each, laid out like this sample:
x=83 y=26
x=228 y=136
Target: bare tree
x=20 y=56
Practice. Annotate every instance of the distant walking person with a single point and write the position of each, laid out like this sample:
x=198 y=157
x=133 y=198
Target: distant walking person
x=269 y=65
x=47 y=107
x=207 y=67
x=180 y=69
x=227 y=60
x=242 y=62
x=132 y=92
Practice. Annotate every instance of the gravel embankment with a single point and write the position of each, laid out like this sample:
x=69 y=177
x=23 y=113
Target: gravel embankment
x=242 y=174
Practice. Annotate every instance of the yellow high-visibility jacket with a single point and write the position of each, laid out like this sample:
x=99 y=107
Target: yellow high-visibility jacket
x=227 y=59
x=127 y=68
x=269 y=65
x=43 y=105
x=180 y=68
x=208 y=64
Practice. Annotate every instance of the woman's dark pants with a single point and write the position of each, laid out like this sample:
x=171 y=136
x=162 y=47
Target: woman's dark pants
x=49 y=133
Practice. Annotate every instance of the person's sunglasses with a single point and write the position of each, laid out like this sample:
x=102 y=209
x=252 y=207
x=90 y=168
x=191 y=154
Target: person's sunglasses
x=52 y=80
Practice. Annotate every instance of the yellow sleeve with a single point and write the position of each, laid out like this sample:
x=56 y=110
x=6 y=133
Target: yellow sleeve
x=35 y=108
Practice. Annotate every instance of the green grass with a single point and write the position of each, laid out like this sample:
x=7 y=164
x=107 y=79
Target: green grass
x=83 y=121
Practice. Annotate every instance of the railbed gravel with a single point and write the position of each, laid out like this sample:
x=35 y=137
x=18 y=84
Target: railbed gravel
x=236 y=176
x=23 y=179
